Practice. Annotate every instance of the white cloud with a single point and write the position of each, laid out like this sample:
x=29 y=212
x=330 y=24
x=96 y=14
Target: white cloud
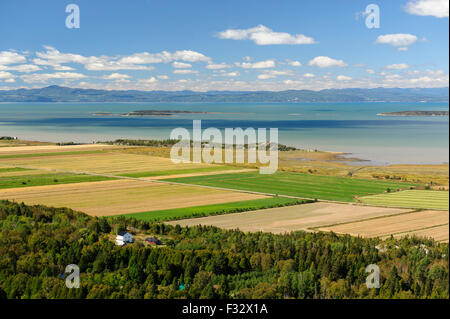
x=150 y=80
x=400 y=66
x=308 y=75
x=8 y=57
x=53 y=57
x=295 y=63
x=233 y=74
x=435 y=8
x=44 y=77
x=257 y=65
x=163 y=77
x=262 y=35
x=271 y=74
x=370 y=71
x=181 y=65
x=398 y=40
x=217 y=66
x=344 y=78
x=326 y=62
x=266 y=76
x=184 y=72
x=5 y=75
x=165 y=57
x=116 y=76
x=24 y=68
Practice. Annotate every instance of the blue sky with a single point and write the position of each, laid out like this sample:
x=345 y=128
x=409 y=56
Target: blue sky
x=224 y=45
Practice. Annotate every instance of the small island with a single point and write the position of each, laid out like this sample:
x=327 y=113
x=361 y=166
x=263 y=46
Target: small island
x=156 y=113
x=159 y=113
x=416 y=113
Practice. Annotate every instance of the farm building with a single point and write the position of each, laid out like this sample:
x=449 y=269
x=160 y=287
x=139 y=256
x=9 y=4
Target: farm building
x=152 y=241
x=123 y=238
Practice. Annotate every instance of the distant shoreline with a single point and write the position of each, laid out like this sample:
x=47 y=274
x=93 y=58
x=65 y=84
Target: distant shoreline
x=416 y=113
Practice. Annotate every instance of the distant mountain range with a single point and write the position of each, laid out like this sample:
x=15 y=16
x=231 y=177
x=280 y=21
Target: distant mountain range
x=56 y=93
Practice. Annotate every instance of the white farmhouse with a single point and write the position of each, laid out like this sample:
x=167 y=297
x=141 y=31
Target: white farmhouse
x=123 y=238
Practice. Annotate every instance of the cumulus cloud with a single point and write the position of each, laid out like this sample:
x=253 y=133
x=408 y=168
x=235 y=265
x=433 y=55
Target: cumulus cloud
x=398 y=40
x=5 y=75
x=295 y=63
x=343 y=78
x=138 y=61
x=435 y=8
x=24 y=68
x=217 y=66
x=181 y=65
x=150 y=80
x=8 y=57
x=257 y=65
x=44 y=77
x=184 y=71
x=308 y=75
x=262 y=35
x=326 y=62
x=163 y=77
x=266 y=76
x=116 y=76
x=400 y=66
x=272 y=74
x=370 y=71
x=232 y=74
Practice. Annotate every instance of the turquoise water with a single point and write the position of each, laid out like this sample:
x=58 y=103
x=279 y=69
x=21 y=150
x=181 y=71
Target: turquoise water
x=347 y=127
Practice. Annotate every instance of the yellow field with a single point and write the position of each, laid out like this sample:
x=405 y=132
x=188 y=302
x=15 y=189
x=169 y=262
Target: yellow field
x=439 y=233
x=292 y=218
x=101 y=163
x=7 y=150
x=416 y=222
x=122 y=196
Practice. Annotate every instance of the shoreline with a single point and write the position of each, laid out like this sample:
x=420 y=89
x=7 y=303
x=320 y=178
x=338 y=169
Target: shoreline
x=336 y=157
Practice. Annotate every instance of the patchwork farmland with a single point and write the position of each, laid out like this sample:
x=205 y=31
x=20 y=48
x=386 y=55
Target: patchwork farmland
x=110 y=181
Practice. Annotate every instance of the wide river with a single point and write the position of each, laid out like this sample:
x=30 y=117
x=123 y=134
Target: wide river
x=346 y=127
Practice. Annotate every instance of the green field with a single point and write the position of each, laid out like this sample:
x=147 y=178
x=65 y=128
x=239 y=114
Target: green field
x=411 y=199
x=215 y=209
x=180 y=171
x=47 y=179
x=297 y=184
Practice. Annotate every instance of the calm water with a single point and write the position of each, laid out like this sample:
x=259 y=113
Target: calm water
x=348 y=127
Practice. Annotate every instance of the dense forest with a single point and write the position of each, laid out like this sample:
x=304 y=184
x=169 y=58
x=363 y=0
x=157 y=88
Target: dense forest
x=38 y=242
